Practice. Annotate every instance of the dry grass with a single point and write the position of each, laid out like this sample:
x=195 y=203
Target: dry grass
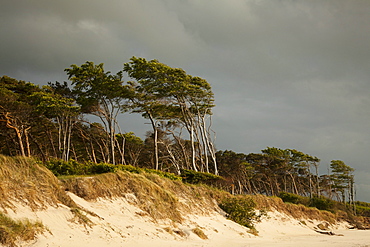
x=200 y=233
x=12 y=231
x=81 y=217
x=24 y=181
x=158 y=202
x=160 y=197
x=296 y=211
x=163 y=198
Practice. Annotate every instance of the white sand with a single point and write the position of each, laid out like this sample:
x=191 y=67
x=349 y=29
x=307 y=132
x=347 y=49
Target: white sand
x=119 y=223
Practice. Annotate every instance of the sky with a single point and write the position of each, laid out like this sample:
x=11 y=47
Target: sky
x=285 y=73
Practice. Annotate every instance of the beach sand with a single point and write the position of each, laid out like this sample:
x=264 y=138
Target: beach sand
x=118 y=222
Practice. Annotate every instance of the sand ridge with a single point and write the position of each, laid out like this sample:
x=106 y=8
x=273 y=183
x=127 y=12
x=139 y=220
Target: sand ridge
x=119 y=222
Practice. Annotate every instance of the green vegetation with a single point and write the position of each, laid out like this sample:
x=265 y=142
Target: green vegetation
x=71 y=167
x=193 y=177
x=12 y=231
x=323 y=203
x=363 y=208
x=241 y=210
x=294 y=198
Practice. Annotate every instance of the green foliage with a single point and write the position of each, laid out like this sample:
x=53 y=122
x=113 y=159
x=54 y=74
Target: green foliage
x=168 y=175
x=71 y=167
x=194 y=177
x=102 y=168
x=319 y=202
x=322 y=203
x=240 y=210
x=293 y=198
x=138 y=170
x=363 y=208
x=129 y=168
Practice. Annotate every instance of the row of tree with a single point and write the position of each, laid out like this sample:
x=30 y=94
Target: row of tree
x=276 y=170
x=54 y=121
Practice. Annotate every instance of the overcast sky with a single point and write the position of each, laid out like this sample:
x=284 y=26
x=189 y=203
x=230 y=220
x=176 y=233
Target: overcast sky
x=285 y=73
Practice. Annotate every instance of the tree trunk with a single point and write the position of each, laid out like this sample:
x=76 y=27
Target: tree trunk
x=155 y=129
x=192 y=147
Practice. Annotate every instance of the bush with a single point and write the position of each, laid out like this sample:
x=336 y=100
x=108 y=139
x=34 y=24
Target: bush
x=168 y=175
x=240 y=210
x=71 y=167
x=101 y=168
x=321 y=203
x=363 y=208
x=295 y=199
x=194 y=177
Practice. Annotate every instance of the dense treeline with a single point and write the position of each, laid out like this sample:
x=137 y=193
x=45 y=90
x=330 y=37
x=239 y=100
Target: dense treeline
x=54 y=122
x=276 y=170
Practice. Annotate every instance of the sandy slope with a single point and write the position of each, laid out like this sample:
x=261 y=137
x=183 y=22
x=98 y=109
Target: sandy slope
x=119 y=223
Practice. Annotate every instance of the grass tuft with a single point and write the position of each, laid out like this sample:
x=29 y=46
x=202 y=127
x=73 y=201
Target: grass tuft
x=200 y=233
x=12 y=231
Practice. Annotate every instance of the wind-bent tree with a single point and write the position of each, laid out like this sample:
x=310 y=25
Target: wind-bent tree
x=342 y=180
x=284 y=170
x=235 y=169
x=162 y=93
x=16 y=112
x=53 y=103
x=133 y=147
x=100 y=93
x=147 y=94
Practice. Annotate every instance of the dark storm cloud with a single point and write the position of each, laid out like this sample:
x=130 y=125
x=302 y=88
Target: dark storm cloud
x=290 y=74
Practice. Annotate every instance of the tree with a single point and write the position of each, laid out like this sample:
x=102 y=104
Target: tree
x=234 y=168
x=100 y=93
x=162 y=93
x=16 y=112
x=133 y=147
x=343 y=179
x=51 y=103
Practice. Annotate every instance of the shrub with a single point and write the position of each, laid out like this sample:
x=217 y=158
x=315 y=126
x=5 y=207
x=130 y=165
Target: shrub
x=194 y=177
x=294 y=198
x=168 y=175
x=240 y=210
x=130 y=168
x=363 y=208
x=71 y=167
x=322 y=203
x=101 y=168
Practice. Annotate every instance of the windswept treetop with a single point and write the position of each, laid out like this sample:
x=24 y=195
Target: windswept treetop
x=161 y=92
x=171 y=85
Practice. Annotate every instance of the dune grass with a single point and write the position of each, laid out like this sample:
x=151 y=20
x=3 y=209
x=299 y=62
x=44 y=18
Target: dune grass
x=12 y=231
x=25 y=181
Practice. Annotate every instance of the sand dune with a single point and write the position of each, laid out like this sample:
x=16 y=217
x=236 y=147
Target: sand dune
x=118 y=222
